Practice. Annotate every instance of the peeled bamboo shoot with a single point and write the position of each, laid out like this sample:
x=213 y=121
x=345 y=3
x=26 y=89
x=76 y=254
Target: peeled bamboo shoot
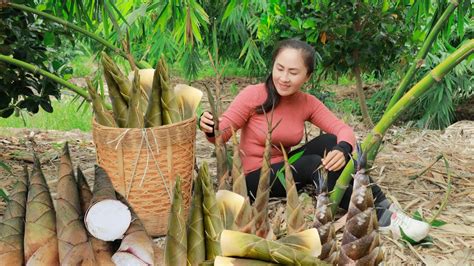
x=107 y=218
x=102 y=249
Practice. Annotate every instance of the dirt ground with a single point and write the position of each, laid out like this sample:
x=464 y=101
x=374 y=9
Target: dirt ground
x=406 y=152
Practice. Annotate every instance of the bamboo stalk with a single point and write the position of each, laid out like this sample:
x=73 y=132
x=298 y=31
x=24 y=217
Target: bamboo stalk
x=419 y=59
x=73 y=244
x=107 y=217
x=212 y=219
x=102 y=249
x=237 y=244
x=196 y=240
x=36 y=70
x=176 y=237
x=390 y=116
x=40 y=242
x=420 y=56
x=12 y=226
x=70 y=25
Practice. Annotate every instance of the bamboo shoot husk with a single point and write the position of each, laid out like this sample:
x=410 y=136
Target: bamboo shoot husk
x=245 y=218
x=239 y=184
x=229 y=204
x=196 y=240
x=102 y=249
x=360 y=237
x=227 y=261
x=40 y=242
x=124 y=86
x=136 y=247
x=262 y=223
x=306 y=240
x=212 y=219
x=294 y=213
x=176 y=238
x=324 y=222
x=107 y=218
x=102 y=115
x=12 y=227
x=135 y=113
x=169 y=105
x=153 y=112
x=237 y=244
x=73 y=244
x=116 y=91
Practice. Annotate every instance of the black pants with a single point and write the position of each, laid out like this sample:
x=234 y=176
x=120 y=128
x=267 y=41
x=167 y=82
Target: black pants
x=304 y=172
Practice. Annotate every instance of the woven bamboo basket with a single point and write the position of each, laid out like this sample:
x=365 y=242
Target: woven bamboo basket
x=143 y=164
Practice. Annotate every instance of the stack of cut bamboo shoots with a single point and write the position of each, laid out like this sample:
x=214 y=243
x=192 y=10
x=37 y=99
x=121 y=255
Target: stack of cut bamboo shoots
x=144 y=99
x=221 y=228
x=34 y=232
x=225 y=229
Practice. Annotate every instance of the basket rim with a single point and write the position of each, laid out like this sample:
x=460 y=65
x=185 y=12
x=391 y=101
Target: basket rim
x=182 y=122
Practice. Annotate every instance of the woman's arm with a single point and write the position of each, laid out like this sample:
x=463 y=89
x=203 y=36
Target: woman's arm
x=236 y=115
x=323 y=118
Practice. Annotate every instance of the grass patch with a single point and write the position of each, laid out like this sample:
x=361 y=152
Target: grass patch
x=66 y=115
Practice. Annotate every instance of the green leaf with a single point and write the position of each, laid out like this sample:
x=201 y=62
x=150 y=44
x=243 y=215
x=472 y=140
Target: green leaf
x=6 y=167
x=49 y=38
x=293 y=158
x=438 y=223
x=417 y=216
x=309 y=24
x=281 y=177
x=4 y=195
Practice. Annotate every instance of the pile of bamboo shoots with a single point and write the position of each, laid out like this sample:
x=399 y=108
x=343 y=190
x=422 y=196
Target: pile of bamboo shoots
x=143 y=99
x=36 y=232
x=223 y=228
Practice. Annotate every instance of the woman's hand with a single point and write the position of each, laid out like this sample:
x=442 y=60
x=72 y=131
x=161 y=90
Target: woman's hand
x=334 y=160
x=206 y=123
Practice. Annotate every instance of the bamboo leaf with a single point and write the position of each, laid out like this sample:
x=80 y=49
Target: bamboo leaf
x=4 y=195
x=6 y=167
x=438 y=223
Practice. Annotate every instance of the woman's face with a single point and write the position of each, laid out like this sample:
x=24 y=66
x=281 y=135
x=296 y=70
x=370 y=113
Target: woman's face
x=289 y=71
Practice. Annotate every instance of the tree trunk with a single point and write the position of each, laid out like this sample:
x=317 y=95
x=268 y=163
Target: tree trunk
x=360 y=93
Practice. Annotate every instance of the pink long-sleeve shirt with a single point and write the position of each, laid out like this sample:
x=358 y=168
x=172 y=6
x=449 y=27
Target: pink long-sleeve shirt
x=292 y=112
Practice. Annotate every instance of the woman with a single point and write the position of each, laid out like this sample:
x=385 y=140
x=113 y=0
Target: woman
x=281 y=98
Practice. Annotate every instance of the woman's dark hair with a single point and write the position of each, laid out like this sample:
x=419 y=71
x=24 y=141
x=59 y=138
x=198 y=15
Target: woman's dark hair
x=273 y=98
